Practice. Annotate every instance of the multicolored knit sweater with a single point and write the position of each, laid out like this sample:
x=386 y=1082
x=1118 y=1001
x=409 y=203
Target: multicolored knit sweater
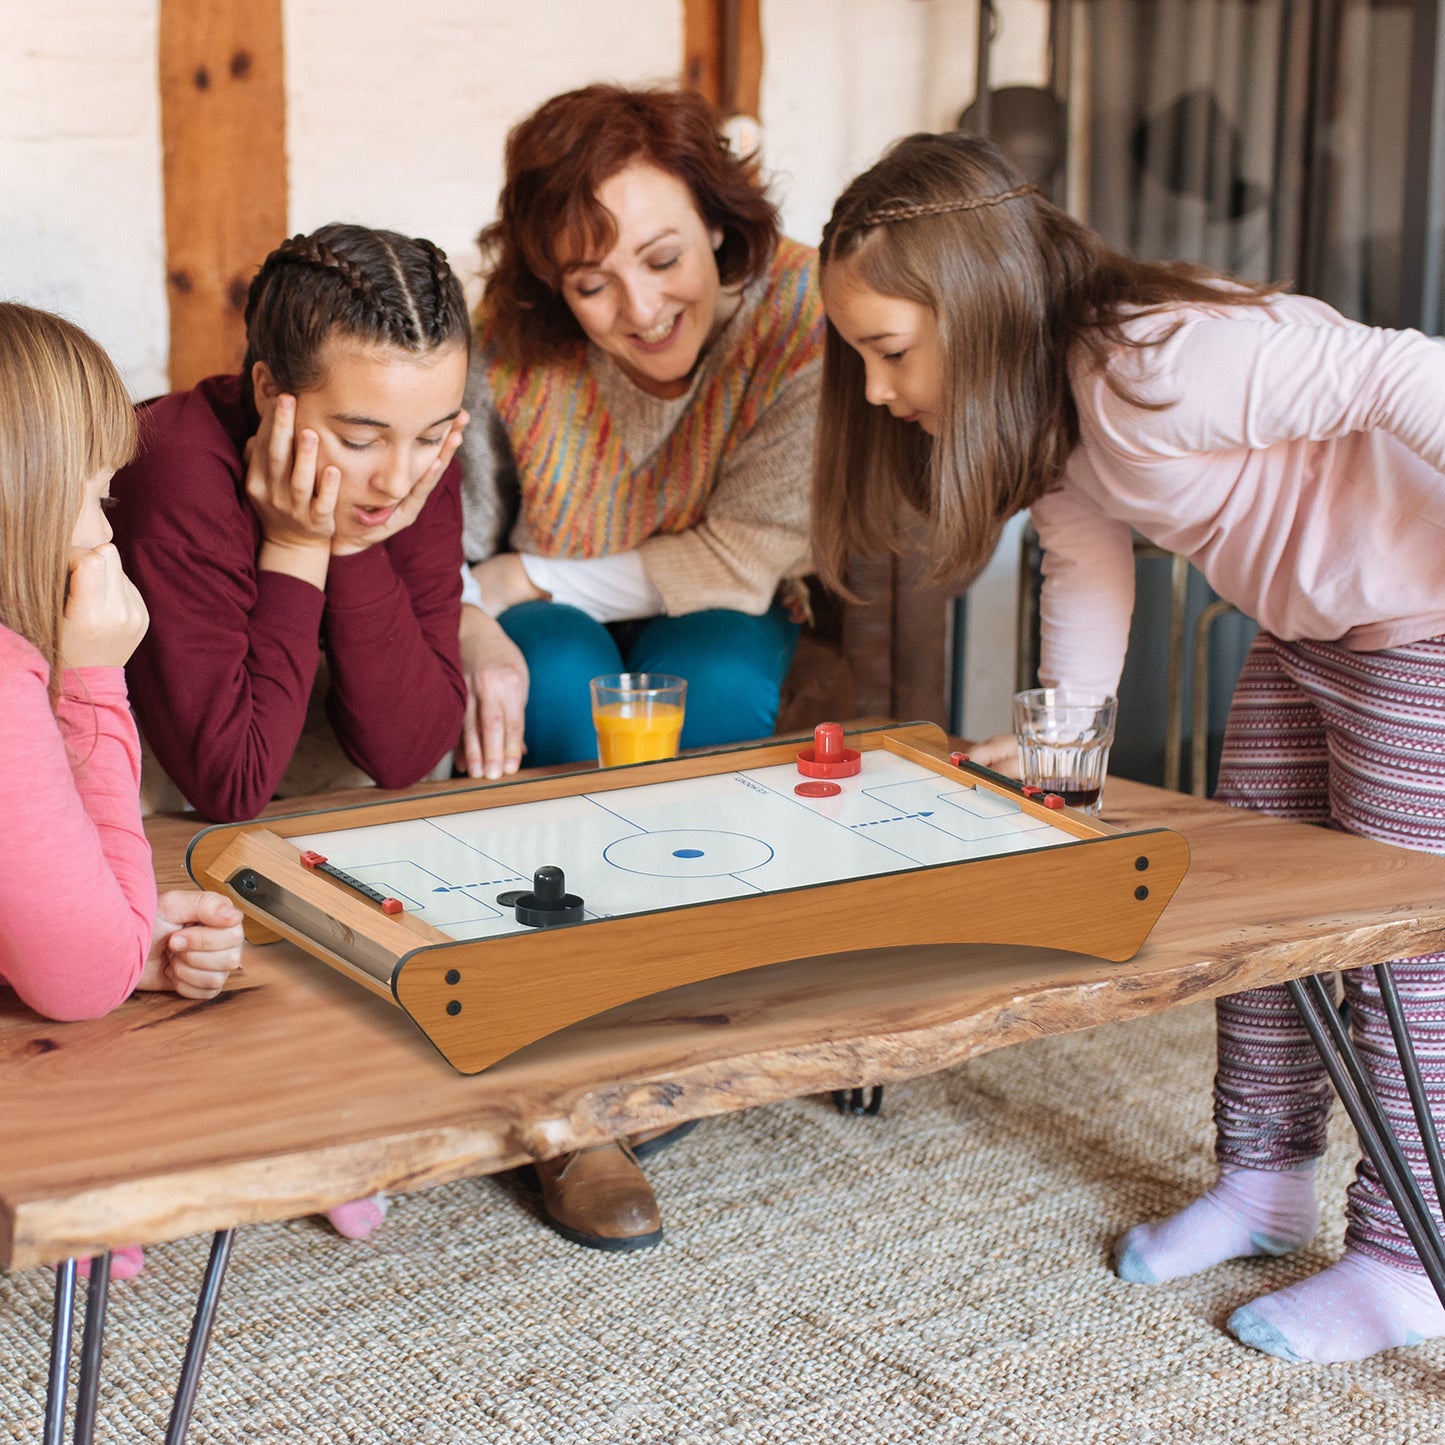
x=571 y=459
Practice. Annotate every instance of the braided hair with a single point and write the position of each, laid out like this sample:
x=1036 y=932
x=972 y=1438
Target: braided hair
x=377 y=287
x=1019 y=292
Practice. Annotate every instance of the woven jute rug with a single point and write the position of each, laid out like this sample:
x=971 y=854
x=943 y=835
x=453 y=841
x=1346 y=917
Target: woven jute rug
x=938 y=1273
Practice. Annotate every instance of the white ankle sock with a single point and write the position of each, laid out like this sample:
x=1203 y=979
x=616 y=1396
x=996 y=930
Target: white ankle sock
x=1246 y=1211
x=1347 y=1312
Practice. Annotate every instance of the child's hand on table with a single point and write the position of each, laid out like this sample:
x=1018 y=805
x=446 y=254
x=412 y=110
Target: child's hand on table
x=197 y=944
x=1000 y=752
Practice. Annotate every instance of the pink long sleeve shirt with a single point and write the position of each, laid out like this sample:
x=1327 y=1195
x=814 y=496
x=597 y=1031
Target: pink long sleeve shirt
x=77 y=893
x=1299 y=465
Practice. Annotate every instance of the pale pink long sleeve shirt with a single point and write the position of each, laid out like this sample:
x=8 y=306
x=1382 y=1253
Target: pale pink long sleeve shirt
x=77 y=891
x=1299 y=465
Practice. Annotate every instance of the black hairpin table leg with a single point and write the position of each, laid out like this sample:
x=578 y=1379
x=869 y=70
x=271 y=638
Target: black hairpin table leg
x=1377 y=1137
x=859 y=1101
x=200 y=1337
x=92 y=1344
x=93 y=1340
x=60 y=1327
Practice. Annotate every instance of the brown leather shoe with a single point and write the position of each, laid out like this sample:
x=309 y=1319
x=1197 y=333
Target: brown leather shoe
x=599 y=1198
x=654 y=1141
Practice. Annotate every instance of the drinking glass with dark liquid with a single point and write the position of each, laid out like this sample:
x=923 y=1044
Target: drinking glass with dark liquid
x=1064 y=735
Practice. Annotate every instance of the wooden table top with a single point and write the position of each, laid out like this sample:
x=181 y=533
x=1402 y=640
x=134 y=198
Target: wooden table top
x=297 y=1090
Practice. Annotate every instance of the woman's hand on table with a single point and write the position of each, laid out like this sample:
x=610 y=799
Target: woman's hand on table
x=497 y=684
x=197 y=944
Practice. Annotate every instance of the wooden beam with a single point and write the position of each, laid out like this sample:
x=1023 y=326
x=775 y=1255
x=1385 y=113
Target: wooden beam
x=223 y=132
x=723 y=53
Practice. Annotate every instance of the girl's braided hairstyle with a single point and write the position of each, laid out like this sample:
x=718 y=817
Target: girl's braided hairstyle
x=378 y=287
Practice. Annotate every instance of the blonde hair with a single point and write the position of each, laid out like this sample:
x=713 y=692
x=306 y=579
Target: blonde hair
x=64 y=416
x=1016 y=288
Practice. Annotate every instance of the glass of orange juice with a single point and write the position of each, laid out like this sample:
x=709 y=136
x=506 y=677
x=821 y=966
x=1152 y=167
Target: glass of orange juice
x=638 y=716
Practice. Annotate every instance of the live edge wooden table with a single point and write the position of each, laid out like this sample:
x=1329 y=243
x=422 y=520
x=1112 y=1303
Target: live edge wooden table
x=296 y=1090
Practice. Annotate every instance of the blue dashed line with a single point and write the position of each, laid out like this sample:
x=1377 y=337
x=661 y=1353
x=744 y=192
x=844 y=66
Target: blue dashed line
x=902 y=818
x=490 y=883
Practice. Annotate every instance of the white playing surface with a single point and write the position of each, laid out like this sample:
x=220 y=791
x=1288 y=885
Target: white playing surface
x=664 y=845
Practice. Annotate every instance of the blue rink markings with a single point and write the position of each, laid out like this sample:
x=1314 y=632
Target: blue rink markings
x=695 y=840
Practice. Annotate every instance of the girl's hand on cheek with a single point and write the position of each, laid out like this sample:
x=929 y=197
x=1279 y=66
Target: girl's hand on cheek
x=105 y=617
x=409 y=508
x=297 y=511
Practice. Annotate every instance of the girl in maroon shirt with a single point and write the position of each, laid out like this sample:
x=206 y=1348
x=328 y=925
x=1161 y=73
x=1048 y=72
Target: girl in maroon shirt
x=296 y=529
x=298 y=526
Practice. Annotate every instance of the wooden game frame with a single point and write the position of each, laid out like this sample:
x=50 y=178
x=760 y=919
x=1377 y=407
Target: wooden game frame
x=480 y=1000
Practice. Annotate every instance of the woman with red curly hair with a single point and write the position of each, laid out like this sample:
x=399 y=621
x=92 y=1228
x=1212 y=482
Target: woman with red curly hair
x=636 y=478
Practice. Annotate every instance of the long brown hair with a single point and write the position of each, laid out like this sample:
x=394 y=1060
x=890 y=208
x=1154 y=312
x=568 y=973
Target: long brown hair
x=555 y=161
x=64 y=416
x=1016 y=287
x=377 y=287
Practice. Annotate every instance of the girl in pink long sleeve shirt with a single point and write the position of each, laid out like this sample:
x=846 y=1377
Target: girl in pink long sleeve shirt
x=80 y=922
x=1298 y=460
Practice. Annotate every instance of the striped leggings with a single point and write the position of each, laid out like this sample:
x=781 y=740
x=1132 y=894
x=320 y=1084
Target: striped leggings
x=1356 y=741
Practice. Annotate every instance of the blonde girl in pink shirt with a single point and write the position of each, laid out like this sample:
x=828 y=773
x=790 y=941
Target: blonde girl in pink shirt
x=81 y=926
x=986 y=354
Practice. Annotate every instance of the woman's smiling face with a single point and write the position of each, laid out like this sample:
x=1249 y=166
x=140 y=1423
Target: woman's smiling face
x=652 y=302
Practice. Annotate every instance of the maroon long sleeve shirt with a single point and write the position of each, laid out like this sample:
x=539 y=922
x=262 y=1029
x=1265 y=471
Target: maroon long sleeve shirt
x=221 y=682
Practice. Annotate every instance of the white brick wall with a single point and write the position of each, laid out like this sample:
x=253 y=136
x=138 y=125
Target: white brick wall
x=81 y=228
x=396 y=117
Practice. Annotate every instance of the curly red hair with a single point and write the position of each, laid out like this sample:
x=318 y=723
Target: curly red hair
x=555 y=161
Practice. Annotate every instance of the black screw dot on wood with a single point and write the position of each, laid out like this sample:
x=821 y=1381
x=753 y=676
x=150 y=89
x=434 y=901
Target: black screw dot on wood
x=1141 y=893
x=1141 y=864
x=240 y=65
x=453 y=976
x=454 y=1008
x=203 y=79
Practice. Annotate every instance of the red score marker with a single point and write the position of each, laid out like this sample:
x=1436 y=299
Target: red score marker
x=1053 y=800
x=828 y=758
